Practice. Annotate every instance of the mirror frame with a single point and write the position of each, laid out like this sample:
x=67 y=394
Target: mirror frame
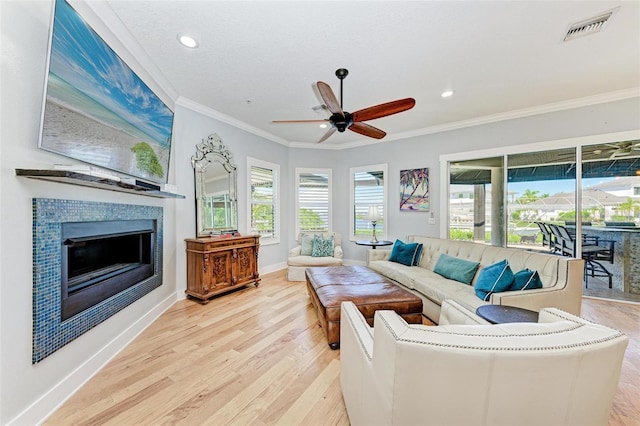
x=209 y=152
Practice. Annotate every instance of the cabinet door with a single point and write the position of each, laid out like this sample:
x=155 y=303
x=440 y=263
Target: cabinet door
x=244 y=265
x=218 y=269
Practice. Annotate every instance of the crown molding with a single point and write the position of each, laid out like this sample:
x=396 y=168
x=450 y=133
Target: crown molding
x=528 y=112
x=509 y=115
x=212 y=113
x=488 y=119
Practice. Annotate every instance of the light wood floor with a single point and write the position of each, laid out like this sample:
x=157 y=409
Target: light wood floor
x=257 y=356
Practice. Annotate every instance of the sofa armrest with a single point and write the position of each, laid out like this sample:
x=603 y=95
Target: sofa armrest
x=548 y=315
x=451 y=312
x=337 y=252
x=353 y=324
x=356 y=352
x=377 y=254
x=565 y=295
x=295 y=251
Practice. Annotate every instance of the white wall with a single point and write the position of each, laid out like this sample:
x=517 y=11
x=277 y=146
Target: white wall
x=198 y=125
x=28 y=392
x=425 y=151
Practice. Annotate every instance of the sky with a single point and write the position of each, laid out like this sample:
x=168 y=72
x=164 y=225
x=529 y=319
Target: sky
x=81 y=58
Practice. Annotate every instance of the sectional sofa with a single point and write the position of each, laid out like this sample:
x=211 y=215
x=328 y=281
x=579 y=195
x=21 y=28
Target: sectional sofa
x=561 y=277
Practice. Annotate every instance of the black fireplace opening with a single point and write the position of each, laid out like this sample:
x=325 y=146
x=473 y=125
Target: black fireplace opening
x=102 y=259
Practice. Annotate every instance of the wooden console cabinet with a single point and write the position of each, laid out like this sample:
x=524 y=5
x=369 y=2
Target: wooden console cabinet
x=216 y=265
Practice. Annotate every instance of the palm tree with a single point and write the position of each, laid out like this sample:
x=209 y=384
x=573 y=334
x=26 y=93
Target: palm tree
x=416 y=178
x=629 y=208
x=529 y=196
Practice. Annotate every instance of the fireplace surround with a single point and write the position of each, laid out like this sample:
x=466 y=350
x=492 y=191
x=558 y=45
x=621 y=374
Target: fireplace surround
x=90 y=260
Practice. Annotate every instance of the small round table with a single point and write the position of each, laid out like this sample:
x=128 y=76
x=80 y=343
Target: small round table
x=374 y=244
x=499 y=314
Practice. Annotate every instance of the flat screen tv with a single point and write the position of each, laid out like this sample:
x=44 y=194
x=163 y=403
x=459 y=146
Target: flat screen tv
x=96 y=109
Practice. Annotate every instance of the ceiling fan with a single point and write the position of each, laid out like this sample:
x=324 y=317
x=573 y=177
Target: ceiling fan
x=623 y=149
x=341 y=120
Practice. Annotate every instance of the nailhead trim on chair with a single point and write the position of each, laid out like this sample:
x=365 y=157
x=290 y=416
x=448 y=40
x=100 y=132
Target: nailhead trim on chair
x=491 y=348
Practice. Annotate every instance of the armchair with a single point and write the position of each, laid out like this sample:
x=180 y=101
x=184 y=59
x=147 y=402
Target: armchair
x=298 y=262
x=561 y=370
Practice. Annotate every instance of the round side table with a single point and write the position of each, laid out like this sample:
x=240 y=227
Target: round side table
x=374 y=244
x=499 y=314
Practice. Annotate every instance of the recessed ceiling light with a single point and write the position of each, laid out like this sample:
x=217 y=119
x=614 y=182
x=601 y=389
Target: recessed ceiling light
x=323 y=126
x=447 y=93
x=187 y=41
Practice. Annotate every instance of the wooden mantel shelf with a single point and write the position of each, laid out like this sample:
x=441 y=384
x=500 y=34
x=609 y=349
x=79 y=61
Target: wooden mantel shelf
x=75 y=178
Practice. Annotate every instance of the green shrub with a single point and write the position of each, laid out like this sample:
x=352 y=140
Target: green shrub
x=460 y=234
x=146 y=159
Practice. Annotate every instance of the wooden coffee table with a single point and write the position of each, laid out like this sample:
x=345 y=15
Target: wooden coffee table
x=329 y=286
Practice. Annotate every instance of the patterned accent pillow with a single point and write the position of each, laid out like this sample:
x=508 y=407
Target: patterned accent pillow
x=322 y=247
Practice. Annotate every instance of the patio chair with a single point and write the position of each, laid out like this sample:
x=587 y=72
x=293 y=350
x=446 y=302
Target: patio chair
x=546 y=235
x=556 y=244
x=594 y=252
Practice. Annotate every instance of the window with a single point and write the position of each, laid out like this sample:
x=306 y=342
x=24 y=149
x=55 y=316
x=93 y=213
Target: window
x=475 y=202
x=579 y=189
x=368 y=188
x=313 y=202
x=264 y=200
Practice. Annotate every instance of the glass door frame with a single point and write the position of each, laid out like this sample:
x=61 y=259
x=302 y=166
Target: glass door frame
x=504 y=152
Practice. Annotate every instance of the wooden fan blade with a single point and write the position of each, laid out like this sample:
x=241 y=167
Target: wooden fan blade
x=331 y=131
x=301 y=121
x=329 y=98
x=367 y=130
x=383 y=110
x=326 y=135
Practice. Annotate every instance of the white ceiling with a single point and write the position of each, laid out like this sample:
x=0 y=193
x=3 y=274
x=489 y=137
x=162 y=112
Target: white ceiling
x=258 y=61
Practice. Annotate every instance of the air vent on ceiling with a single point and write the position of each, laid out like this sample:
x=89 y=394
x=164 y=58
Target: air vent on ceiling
x=588 y=26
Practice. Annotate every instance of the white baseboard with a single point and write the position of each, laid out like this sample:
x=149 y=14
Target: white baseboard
x=352 y=262
x=272 y=268
x=48 y=403
x=283 y=265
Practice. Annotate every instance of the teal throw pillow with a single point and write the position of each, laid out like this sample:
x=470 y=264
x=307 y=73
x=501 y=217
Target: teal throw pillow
x=456 y=269
x=526 y=280
x=406 y=253
x=322 y=247
x=494 y=279
x=306 y=244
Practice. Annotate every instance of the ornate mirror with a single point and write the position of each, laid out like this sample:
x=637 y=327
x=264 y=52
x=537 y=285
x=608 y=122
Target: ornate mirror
x=215 y=184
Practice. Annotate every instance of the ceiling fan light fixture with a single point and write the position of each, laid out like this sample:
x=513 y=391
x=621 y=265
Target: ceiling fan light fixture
x=188 y=41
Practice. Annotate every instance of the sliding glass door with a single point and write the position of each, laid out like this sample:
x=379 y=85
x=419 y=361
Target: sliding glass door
x=590 y=192
x=476 y=200
x=541 y=188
